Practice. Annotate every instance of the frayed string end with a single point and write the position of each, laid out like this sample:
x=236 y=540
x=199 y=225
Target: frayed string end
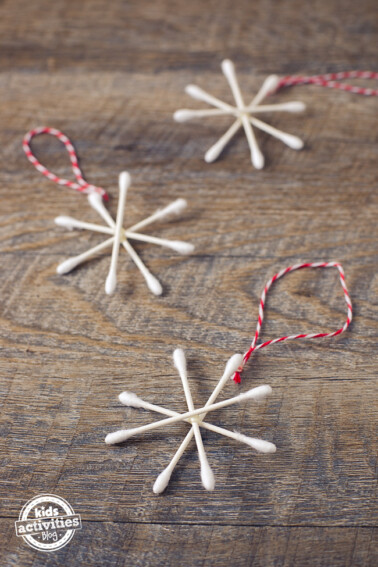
x=237 y=378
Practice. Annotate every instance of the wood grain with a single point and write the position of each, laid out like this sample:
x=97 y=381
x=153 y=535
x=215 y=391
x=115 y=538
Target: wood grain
x=110 y=75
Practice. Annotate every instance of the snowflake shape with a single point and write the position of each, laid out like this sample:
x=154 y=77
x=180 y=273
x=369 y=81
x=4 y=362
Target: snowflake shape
x=195 y=418
x=121 y=236
x=245 y=115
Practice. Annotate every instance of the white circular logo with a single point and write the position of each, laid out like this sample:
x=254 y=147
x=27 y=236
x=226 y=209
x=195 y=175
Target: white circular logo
x=47 y=522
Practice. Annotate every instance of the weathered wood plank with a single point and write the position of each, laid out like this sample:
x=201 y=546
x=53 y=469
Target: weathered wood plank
x=153 y=35
x=155 y=545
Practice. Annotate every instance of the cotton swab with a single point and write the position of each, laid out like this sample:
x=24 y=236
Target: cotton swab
x=292 y=141
x=96 y=202
x=71 y=263
x=294 y=107
x=152 y=283
x=71 y=223
x=199 y=94
x=111 y=280
x=207 y=475
x=130 y=399
x=269 y=85
x=229 y=72
x=176 y=245
x=186 y=114
x=214 y=152
x=174 y=208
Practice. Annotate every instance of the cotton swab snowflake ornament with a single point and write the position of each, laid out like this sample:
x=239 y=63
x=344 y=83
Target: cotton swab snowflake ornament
x=117 y=235
x=244 y=115
x=120 y=236
x=195 y=417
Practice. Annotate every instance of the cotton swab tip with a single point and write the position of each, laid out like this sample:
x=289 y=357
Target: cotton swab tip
x=293 y=141
x=271 y=83
x=180 y=360
x=228 y=67
x=118 y=436
x=257 y=159
x=153 y=284
x=66 y=266
x=182 y=115
x=130 y=399
x=258 y=444
x=95 y=200
x=258 y=393
x=184 y=248
x=207 y=476
x=162 y=481
x=65 y=221
x=212 y=154
x=264 y=446
x=179 y=205
x=124 y=180
x=235 y=362
x=174 y=208
x=111 y=282
x=194 y=91
x=295 y=106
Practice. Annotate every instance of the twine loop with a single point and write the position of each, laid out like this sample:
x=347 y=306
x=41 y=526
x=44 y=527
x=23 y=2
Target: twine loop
x=81 y=184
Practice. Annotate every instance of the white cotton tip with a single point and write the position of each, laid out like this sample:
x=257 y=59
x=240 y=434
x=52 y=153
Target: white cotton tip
x=153 y=284
x=130 y=399
x=111 y=282
x=292 y=141
x=194 y=92
x=181 y=247
x=174 y=208
x=295 y=106
x=162 y=481
x=118 y=436
x=179 y=206
x=212 y=153
x=95 y=201
x=258 y=393
x=257 y=159
x=67 y=266
x=179 y=360
x=258 y=444
x=183 y=115
x=271 y=83
x=124 y=180
x=235 y=362
x=67 y=222
x=207 y=476
x=228 y=67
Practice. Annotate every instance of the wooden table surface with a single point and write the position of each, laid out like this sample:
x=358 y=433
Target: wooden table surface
x=110 y=75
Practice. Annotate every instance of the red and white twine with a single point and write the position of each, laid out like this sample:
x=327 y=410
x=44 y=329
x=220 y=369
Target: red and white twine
x=277 y=276
x=81 y=184
x=330 y=80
